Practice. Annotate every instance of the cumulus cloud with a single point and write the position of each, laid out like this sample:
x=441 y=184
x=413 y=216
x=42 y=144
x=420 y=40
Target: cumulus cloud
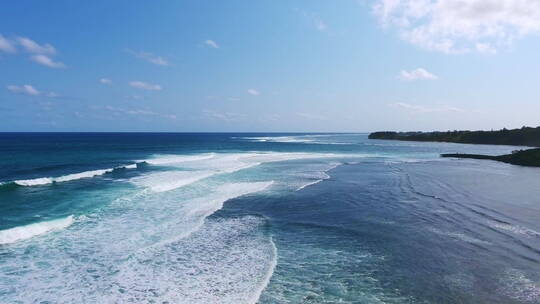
x=253 y=92
x=458 y=26
x=145 y=86
x=6 y=45
x=212 y=43
x=105 y=81
x=417 y=74
x=157 y=60
x=35 y=48
x=47 y=61
x=485 y=48
x=41 y=53
x=423 y=109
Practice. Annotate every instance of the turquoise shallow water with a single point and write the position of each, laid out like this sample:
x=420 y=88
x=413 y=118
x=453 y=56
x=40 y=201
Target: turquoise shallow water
x=268 y=218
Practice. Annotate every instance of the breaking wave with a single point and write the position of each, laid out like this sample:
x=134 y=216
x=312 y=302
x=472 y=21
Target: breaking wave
x=65 y=178
x=15 y=234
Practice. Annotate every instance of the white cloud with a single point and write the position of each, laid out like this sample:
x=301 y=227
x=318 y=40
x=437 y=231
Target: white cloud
x=139 y=112
x=212 y=43
x=24 y=89
x=424 y=109
x=145 y=86
x=485 y=48
x=417 y=74
x=223 y=116
x=35 y=48
x=30 y=91
x=314 y=19
x=253 y=92
x=47 y=61
x=320 y=25
x=105 y=81
x=51 y=94
x=6 y=45
x=459 y=26
x=41 y=53
x=158 y=60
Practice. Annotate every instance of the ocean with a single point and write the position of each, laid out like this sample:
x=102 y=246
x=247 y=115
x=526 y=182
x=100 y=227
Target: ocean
x=263 y=218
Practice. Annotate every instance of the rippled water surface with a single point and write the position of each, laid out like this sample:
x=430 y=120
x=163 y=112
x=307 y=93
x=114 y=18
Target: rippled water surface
x=268 y=218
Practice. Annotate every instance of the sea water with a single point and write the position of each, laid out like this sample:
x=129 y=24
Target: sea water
x=262 y=218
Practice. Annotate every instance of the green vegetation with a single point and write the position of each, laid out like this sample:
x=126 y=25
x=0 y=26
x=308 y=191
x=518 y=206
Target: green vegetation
x=530 y=157
x=525 y=136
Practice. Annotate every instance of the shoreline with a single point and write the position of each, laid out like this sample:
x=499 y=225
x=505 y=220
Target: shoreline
x=528 y=158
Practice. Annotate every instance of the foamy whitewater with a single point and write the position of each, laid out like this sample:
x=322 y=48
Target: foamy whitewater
x=25 y=232
x=262 y=218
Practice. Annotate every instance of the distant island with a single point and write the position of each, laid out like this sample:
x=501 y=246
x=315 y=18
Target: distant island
x=525 y=136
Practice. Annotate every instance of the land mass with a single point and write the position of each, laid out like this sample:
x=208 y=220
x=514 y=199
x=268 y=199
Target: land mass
x=525 y=136
x=530 y=157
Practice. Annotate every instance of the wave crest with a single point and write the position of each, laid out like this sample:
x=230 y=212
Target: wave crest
x=15 y=234
x=66 y=178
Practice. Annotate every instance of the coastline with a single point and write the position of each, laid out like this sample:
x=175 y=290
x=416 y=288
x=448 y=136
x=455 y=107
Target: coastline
x=529 y=158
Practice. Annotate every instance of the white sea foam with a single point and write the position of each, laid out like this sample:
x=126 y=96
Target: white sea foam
x=159 y=248
x=460 y=236
x=313 y=182
x=283 y=139
x=272 y=267
x=69 y=177
x=15 y=234
x=318 y=176
x=518 y=286
x=302 y=139
x=198 y=167
x=176 y=159
x=516 y=229
x=35 y=181
x=228 y=261
x=166 y=181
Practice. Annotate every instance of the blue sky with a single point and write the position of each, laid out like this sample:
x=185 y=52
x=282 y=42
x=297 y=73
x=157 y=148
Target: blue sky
x=269 y=65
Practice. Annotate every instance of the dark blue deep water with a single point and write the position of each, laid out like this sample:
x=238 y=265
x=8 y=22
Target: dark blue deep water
x=267 y=218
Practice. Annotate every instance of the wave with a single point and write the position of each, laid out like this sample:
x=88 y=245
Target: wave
x=175 y=159
x=65 y=178
x=200 y=209
x=460 y=236
x=13 y=235
x=166 y=181
x=266 y=280
x=159 y=248
x=227 y=261
x=313 y=182
x=516 y=229
x=322 y=176
x=294 y=139
x=198 y=167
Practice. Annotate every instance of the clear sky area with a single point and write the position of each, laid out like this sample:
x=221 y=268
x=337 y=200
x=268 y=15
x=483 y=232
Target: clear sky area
x=269 y=66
